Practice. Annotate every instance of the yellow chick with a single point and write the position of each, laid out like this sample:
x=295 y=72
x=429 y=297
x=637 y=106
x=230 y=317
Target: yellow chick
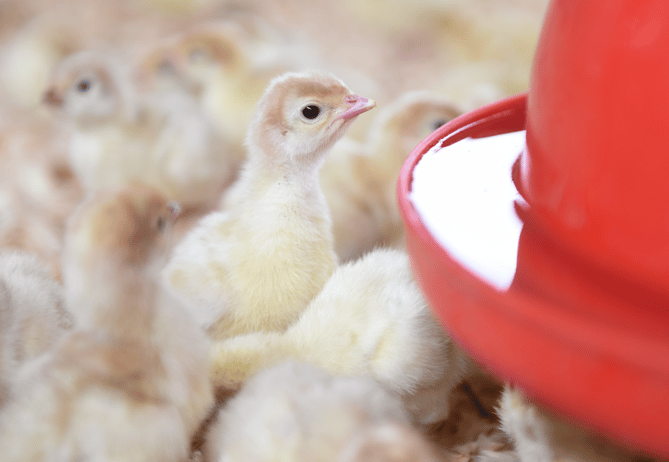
x=370 y=319
x=156 y=70
x=257 y=266
x=32 y=316
x=231 y=62
x=212 y=57
x=29 y=55
x=360 y=181
x=121 y=137
x=541 y=436
x=299 y=413
x=131 y=381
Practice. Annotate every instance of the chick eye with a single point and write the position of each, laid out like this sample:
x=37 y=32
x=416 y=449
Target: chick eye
x=311 y=111
x=83 y=85
x=438 y=123
x=161 y=223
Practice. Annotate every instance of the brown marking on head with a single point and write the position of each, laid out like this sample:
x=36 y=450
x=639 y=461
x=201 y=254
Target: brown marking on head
x=89 y=86
x=408 y=120
x=420 y=111
x=74 y=68
x=158 y=62
x=211 y=46
x=316 y=85
x=125 y=224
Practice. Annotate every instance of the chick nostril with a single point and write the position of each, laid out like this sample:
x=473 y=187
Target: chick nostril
x=351 y=99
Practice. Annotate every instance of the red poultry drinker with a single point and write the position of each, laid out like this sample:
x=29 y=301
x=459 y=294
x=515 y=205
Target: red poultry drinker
x=545 y=247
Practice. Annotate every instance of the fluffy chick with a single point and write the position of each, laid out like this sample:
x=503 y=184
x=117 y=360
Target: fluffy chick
x=298 y=412
x=227 y=64
x=121 y=137
x=32 y=316
x=29 y=55
x=541 y=436
x=391 y=442
x=131 y=381
x=257 y=266
x=359 y=181
x=38 y=189
x=370 y=319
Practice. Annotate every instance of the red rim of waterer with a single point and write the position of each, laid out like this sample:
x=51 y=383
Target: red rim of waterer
x=606 y=374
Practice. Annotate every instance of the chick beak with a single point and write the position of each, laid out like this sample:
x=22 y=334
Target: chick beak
x=358 y=105
x=52 y=98
x=175 y=210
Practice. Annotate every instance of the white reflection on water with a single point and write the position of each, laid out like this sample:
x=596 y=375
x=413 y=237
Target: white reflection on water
x=464 y=195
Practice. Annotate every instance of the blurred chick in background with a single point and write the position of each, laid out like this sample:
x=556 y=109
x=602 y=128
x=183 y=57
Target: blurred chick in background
x=32 y=316
x=370 y=319
x=38 y=189
x=46 y=31
x=230 y=63
x=300 y=413
x=359 y=181
x=541 y=436
x=26 y=59
x=130 y=382
x=121 y=137
x=255 y=267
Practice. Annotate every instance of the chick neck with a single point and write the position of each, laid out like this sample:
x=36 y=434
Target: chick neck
x=112 y=299
x=272 y=164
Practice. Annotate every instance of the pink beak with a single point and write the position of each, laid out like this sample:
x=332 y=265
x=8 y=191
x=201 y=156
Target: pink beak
x=175 y=209
x=359 y=104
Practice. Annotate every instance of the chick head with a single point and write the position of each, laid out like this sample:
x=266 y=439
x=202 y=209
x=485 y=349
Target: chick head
x=301 y=115
x=157 y=70
x=411 y=118
x=127 y=226
x=87 y=86
x=207 y=53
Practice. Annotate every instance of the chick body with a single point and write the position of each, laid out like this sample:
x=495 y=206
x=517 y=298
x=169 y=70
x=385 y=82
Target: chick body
x=32 y=316
x=119 y=137
x=298 y=412
x=370 y=319
x=130 y=382
x=255 y=267
x=38 y=189
x=540 y=436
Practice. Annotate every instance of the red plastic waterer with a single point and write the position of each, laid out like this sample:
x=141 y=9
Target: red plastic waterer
x=584 y=325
